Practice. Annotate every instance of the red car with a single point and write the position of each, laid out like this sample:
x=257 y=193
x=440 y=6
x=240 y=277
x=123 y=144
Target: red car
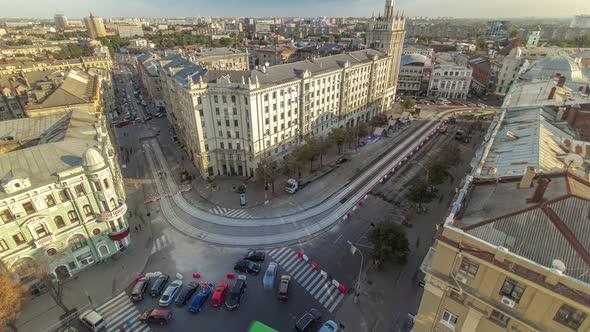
x=219 y=294
x=123 y=123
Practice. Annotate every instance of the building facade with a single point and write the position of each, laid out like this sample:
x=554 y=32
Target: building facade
x=275 y=55
x=450 y=81
x=129 y=31
x=67 y=212
x=414 y=74
x=61 y=21
x=94 y=27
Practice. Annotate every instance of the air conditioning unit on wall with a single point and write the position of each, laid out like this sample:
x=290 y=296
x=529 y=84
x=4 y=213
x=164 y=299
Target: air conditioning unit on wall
x=508 y=302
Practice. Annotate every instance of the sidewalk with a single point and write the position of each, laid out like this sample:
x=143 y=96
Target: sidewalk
x=101 y=281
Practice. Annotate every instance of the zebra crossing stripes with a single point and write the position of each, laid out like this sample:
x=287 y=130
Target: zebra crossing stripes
x=159 y=244
x=232 y=213
x=311 y=280
x=119 y=312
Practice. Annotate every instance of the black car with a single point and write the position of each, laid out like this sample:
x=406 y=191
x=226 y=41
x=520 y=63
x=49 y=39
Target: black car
x=186 y=293
x=247 y=266
x=255 y=256
x=232 y=302
x=139 y=289
x=159 y=285
x=308 y=320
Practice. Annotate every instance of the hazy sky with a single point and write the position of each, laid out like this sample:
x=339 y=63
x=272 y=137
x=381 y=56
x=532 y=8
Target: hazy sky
x=309 y=8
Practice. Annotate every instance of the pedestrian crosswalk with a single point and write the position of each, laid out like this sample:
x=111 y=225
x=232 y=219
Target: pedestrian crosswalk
x=311 y=280
x=232 y=213
x=160 y=243
x=120 y=314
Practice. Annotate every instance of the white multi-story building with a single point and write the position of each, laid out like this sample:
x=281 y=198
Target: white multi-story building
x=227 y=120
x=414 y=75
x=450 y=81
x=128 y=31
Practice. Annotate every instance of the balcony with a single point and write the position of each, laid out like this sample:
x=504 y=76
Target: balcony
x=116 y=213
x=119 y=235
x=44 y=240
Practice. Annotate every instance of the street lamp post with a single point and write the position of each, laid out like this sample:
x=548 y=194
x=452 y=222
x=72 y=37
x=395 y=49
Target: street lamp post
x=354 y=250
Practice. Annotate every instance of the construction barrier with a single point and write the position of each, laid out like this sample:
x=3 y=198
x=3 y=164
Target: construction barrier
x=230 y=276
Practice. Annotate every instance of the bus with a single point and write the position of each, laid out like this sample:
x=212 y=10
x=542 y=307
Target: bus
x=257 y=326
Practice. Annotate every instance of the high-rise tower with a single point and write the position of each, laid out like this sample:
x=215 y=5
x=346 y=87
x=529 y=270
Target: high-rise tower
x=94 y=26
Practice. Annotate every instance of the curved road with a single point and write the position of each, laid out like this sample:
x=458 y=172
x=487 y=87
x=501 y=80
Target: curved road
x=261 y=232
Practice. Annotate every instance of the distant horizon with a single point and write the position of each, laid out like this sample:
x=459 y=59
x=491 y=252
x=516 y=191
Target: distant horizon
x=459 y=9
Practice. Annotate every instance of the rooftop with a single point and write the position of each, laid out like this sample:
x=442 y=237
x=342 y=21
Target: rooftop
x=76 y=88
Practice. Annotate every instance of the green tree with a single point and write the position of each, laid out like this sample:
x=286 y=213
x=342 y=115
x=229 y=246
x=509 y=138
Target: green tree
x=481 y=43
x=438 y=172
x=408 y=103
x=268 y=170
x=291 y=166
x=225 y=42
x=201 y=40
x=379 y=120
x=421 y=192
x=360 y=130
x=339 y=136
x=390 y=243
x=309 y=151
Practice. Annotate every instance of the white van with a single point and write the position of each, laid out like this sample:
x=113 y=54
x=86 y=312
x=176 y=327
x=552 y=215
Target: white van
x=291 y=186
x=93 y=320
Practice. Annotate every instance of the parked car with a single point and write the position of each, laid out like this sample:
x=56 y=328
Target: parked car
x=159 y=285
x=199 y=300
x=170 y=293
x=247 y=267
x=284 y=287
x=160 y=115
x=343 y=158
x=137 y=120
x=92 y=320
x=235 y=294
x=186 y=293
x=123 y=123
x=219 y=294
x=268 y=281
x=255 y=256
x=308 y=320
x=139 y=289
x=329 y=326
x=156 y=316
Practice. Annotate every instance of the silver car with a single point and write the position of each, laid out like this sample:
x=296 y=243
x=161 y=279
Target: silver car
x=269 y=276
x=170 y=293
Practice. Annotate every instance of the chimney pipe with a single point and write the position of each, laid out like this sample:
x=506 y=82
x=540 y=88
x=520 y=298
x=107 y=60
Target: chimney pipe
x=561 y=81
x=527 y=178
x=542 y=185
x=552 y=93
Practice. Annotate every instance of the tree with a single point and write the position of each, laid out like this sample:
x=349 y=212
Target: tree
x=290 y=166
x=225 y=42
x=339 y=136
x=357 y=132
x=438 y=172
x=12 y=298
x=309 y=151
x=323 y=145
x=481 y=43
x=421 y=193
x=267 y=170
x=379 y=120
x=54 y=286
x=408 y=103
x=390 y=243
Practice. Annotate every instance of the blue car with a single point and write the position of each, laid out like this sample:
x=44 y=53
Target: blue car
x=199 y=300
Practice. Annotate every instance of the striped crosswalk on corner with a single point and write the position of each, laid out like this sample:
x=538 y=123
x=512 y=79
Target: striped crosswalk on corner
x=159 y=244
x=311 y=280
x=120 y=314
x=232 y=213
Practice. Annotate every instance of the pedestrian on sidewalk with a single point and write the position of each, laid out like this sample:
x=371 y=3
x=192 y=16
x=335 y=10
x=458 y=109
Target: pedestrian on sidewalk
x=136 y=229
x=139 y=226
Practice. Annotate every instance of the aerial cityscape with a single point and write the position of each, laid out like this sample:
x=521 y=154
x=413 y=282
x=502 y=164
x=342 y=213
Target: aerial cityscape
x=331 y=166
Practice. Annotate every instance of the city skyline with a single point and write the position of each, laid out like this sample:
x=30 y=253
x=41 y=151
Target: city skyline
x=261 y=8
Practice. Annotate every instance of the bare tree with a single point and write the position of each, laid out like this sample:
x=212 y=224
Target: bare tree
x=54 y=286
x=339 y=136
x=12 y=298
x=268 y=171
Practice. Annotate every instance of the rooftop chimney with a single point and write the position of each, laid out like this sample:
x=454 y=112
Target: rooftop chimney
x=561 y=81
x=542 y=185
x=552 y=93
x=527 y=178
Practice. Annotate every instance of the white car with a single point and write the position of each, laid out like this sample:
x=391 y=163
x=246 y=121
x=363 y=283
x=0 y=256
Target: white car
x=170 y=293
x=92 y=320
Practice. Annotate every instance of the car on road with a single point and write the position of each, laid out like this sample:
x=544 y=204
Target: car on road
x=344 y=158
x=255 y=256
x=199 y=299
x=219 y=294
x=247 y=267
x=329 y=326
x=123 y=123
x=284 y=287
x=268 y=281
x=92 y=320
x=235 y=294
x=160 y=115
x=187 y=293
x=159 y=285
x=170 y=293
x=308 y=319
x=137 y=120
x=139 y=289
x=156 y=316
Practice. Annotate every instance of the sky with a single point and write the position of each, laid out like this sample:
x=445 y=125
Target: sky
x=305 y=8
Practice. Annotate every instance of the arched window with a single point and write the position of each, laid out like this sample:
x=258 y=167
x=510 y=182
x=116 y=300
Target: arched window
x=72 y=216
x=103 y=250
x=113 y=203
x=87 y=210
x=59 y=222
x=77 y=241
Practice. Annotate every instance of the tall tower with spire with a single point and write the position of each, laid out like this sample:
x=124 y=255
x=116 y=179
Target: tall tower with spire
x=386 y=33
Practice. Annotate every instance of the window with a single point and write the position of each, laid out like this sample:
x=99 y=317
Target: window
x=266 y=121
x=499 y=318
x=29 y=208
x=40 y=231
x=77 y=241
x=215 y=99
x=18 y=238
x=221 y=145
x=85 y=259
x=570 y=316
x=97 y=185
x=79 y=189
x=87 y=210
x=237 y=134
x=469 y=268
x=224 y=99
x=72 y=265
x=227 y=123
x=63 y=196
x=235 y=111
x=229 y=134
x=238 y=146
x=5 y=216
x=59 y=222
x=72 y=216
x=229 y=146
x=217 y=111
x=512 y=289
x=449 y=320
x=49 y=201
x=3 y=245
x=220 y=133
x=233 y=99
x=107 y=183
